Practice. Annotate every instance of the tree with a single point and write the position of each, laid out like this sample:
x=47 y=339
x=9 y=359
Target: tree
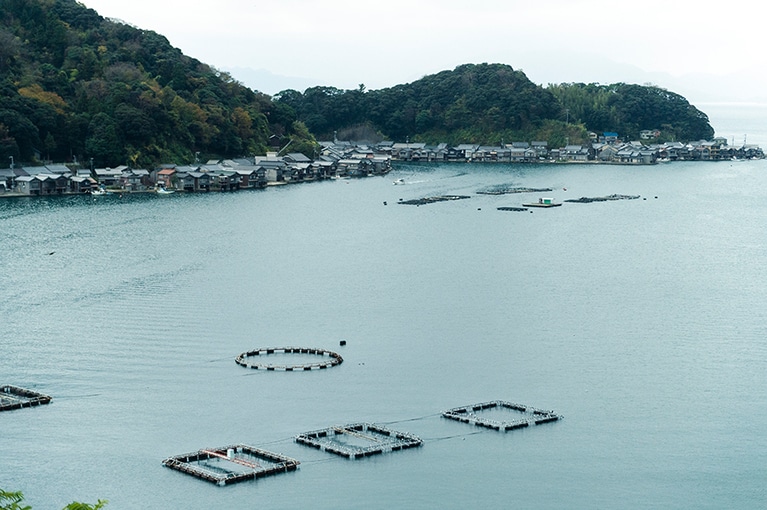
x=13 y=500
x=627 y=109
x=103 y=144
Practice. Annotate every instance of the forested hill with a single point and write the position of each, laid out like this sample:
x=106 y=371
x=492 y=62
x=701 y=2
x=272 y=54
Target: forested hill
x=76 y=85
x=467 y=104
x=628 y=109
x=491 y=103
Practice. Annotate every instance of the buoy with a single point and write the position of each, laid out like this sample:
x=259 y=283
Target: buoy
x=384 y=202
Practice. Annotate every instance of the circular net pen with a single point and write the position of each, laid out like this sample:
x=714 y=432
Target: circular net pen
x=257 y=359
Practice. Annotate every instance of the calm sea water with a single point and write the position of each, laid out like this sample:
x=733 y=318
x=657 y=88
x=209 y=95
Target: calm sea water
x=642 y=321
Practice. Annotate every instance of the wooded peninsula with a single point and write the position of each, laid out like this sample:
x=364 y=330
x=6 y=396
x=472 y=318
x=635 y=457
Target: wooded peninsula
x=76 y=87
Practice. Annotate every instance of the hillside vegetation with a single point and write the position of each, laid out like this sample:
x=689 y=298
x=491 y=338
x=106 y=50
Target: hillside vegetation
x=491 y=103
x=628 y=109
x=77 y=86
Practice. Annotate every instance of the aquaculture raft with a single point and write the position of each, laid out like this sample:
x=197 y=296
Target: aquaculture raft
x=231 y=464
x=516 y=209
x=332 y=360
x=608 y=198
x=358 y=440
x=502 y=190
x=528 y=415
x=13 y=397
x=432 y=200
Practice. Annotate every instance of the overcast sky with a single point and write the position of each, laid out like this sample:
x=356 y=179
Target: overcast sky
x=707 y=52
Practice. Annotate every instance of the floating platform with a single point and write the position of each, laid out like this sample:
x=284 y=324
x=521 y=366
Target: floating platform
x=358 y=440
x=520 y=415
x=231 y=464
x=13 y=397
x=331 y=359
x=432 y=200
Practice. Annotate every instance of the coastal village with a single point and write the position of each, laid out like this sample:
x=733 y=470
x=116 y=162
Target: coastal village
x=341 y=159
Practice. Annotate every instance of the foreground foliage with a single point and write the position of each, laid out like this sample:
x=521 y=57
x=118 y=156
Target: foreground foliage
x=13 y=500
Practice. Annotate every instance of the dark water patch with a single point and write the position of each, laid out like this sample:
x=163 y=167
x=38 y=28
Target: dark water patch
x=154 y=284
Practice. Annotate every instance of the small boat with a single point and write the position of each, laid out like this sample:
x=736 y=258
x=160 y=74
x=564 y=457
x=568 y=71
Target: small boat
x=163 y=191
x=399 y=181
x=99 y=192
x=543 y=202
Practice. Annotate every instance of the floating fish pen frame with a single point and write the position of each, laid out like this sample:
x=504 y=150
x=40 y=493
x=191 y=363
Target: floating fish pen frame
x=532 y=416
x=231 y=464
x=508 y=191
x=13 y=397
x=334 y=359
x=588 y=200
x=379 y=439
x=432 y=200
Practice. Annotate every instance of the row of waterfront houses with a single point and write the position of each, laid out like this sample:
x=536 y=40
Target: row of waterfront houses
x=344 y=159
x=606 y=151
x=227 y=175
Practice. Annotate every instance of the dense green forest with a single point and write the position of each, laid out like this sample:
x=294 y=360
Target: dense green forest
x=627 y=109
x=490 y=103
x=77 y=86
x=480 y=103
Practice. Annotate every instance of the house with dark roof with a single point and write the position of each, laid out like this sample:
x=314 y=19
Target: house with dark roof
x=193 y=181
x=296 y=157
x=575 y=153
